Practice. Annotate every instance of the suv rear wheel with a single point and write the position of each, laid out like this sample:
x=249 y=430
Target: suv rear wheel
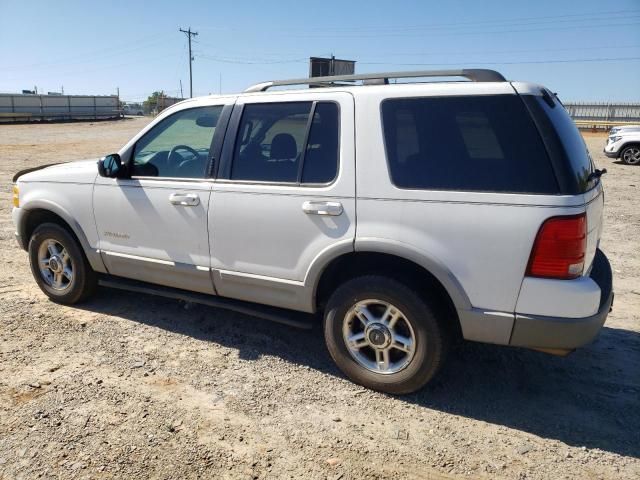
x=383 y=335
x=59 y=265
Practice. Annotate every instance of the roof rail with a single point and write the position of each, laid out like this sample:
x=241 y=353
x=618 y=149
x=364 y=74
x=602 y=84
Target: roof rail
x=473 y=74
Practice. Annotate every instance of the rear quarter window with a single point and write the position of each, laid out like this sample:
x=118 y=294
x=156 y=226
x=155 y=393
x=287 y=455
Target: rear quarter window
x=564 y=143
x=481 y=143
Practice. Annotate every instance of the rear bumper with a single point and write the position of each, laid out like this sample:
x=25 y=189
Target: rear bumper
x=533 y=331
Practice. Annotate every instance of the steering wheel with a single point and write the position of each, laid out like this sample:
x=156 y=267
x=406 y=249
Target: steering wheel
x=174 y=151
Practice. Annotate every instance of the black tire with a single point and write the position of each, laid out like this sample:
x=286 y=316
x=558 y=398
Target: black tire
x=432 y=339
x=627 y=152
x=84 y=280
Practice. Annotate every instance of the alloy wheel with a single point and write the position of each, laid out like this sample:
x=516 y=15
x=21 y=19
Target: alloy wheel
x=55 y=264
x=631 y=156
x=379 y=336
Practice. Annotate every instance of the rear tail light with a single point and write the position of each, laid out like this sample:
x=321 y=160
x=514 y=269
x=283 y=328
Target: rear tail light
x=559 y=249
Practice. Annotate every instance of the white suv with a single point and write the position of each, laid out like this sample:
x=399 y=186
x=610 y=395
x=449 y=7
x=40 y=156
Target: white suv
x=405 y=215
x=624 y=143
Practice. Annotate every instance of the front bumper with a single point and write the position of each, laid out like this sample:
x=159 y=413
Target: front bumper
x=541 y=332
x=611 y=150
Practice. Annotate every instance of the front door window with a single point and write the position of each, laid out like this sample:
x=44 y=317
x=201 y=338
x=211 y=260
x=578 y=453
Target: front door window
x=178 y=146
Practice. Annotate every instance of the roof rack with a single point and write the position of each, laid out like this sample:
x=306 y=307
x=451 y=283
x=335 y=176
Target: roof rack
x=473 y=74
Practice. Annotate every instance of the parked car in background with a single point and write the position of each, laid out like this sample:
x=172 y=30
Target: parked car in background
x=403 y=215
x=133 y=109
x=631 y=128
x=625 y=145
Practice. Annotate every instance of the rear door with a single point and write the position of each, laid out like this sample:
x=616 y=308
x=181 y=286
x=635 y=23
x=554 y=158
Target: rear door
x=284 y=196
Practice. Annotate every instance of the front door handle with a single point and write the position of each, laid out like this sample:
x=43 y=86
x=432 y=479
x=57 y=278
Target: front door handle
x=322 y=208
x=184 y=199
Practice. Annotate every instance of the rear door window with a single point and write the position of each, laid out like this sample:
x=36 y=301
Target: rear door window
x=321 y=156
x=293 y=142
x=481 y=143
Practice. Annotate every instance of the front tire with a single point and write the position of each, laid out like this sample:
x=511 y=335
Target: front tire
x=383 y=335
x=59 y=266
x=631 y=155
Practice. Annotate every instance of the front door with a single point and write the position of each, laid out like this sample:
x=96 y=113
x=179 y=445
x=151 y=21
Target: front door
x=153 y=226
x=284 y=196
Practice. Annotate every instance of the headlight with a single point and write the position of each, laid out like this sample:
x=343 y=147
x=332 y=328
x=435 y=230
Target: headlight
x=16 y=196
x=614 y=139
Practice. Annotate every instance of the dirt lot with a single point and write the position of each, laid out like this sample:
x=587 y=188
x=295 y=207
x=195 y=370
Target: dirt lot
x=131 y=386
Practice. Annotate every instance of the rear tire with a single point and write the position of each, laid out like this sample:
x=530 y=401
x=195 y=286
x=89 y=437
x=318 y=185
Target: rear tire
x=59 y=265
x=370 y=315
x=631 y=155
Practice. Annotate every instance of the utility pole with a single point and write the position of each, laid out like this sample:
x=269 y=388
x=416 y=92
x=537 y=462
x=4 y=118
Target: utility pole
x=190 y=34
x=181 y=94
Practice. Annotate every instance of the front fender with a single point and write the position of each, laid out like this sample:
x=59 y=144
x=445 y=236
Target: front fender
x=30 y=206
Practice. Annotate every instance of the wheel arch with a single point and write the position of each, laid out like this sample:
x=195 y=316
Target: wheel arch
x=47 y=212
x=401 y=263
x=632 y=143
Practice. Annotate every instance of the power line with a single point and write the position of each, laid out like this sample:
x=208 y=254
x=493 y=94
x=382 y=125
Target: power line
x=530 y=62
x=190 y=34
x=531 y=21
x=241 y=57
x=90 y=57
x=418 y=64
x=251 y=61
x=448 y=32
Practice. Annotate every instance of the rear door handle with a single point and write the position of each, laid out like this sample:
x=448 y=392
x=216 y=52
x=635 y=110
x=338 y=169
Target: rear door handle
x=322 y=208
x=184 y=199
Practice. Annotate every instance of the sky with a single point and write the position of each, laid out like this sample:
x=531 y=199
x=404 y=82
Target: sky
x=582 y=49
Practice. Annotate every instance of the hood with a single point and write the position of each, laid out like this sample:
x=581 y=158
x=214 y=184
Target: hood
x=83 y=171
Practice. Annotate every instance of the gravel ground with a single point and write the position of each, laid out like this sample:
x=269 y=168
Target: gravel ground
x=133 y=386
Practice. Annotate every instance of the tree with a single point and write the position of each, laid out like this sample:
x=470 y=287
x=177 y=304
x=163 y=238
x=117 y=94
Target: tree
x=151 y=103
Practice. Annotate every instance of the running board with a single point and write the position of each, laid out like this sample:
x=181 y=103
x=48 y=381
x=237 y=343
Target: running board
x=266 y=312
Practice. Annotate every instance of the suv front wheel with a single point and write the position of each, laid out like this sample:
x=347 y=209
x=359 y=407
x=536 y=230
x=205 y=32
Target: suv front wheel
x=631 y=155
x=59 y=265
x=383 y=335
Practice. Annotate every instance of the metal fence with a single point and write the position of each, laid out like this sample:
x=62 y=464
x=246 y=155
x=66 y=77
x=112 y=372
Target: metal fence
x=604 y=112
x=27 y=107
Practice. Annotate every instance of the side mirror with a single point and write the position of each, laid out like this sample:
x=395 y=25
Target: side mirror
x=110 y=166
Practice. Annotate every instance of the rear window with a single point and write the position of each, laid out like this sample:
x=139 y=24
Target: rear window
x=480 y=143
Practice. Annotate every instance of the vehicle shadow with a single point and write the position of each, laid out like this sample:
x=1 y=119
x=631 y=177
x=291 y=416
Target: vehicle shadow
x=590 y=398
x=620 y=162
